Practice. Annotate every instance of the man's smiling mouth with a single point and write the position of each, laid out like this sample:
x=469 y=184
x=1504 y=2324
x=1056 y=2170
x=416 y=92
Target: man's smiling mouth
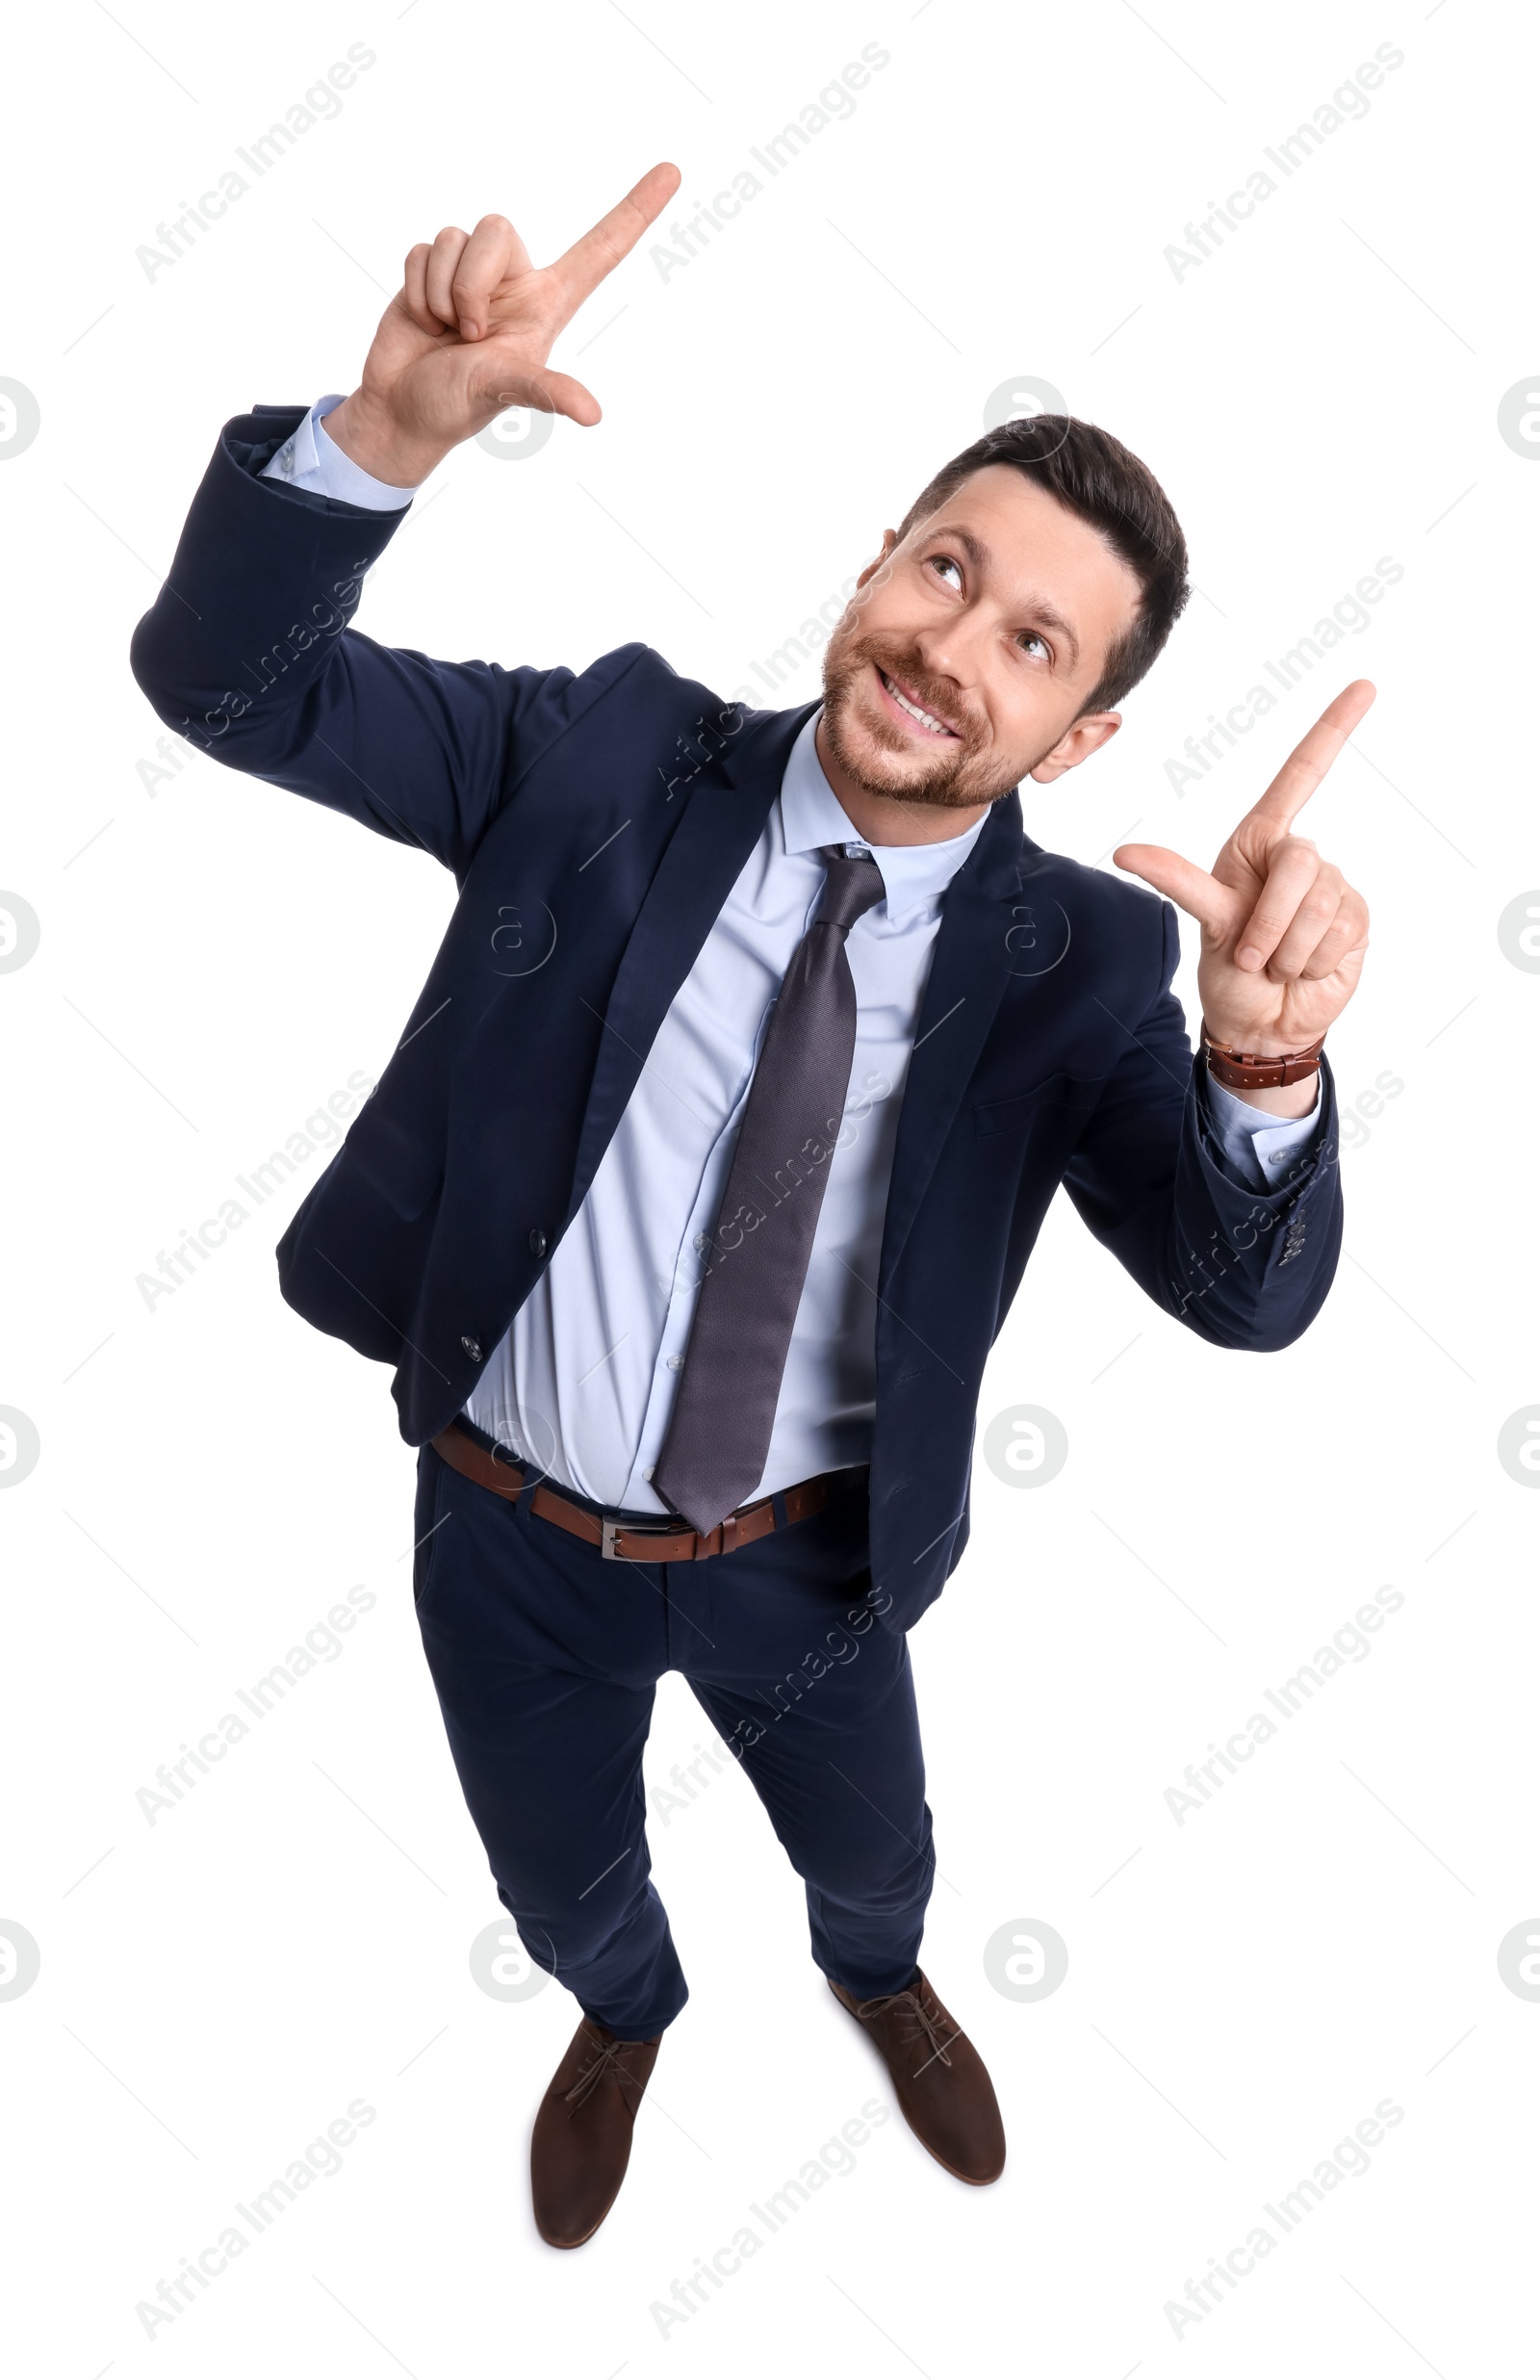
x=927 y=719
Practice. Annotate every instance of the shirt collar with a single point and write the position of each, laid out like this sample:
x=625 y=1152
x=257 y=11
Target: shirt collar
x=811 y=816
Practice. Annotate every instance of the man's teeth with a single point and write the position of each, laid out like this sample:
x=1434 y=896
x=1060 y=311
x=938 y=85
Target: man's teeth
x=938 y=727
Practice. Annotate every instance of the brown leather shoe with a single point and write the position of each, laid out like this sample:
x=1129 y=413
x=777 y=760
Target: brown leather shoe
x=582 y=2135
x=943 y=2084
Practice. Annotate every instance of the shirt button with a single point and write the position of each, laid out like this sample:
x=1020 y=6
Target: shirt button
x=538 y=1242
x=647 y=1473
x=676 y=1363
x=473 y=1348
x=700 y=1242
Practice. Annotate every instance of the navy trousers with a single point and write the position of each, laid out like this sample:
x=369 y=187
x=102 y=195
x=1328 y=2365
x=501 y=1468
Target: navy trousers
x=546 y=1657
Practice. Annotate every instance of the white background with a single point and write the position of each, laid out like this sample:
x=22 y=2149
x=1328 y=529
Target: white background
x=1243 y=1988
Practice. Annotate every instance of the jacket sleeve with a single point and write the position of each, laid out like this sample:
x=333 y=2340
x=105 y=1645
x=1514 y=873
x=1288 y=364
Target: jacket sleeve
x=248 y=652
x=1242 y=1268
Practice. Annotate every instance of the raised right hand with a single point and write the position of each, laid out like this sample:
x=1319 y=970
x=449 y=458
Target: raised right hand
x=469 y=333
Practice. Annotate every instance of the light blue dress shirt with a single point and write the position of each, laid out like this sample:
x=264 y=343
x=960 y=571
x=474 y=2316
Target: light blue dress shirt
x=583 y=1378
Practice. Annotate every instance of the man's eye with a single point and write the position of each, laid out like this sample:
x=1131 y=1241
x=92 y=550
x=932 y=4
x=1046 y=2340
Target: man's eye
x=1032 y=639
x=943 y=563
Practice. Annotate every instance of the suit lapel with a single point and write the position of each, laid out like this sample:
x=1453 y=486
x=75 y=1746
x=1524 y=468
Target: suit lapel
x=969 y=970
x=723 y=817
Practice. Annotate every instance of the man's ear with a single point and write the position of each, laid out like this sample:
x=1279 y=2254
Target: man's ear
x=889 y=541
x=1077 y=743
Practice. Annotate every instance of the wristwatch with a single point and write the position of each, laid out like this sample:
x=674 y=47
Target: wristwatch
x=1252 y=1069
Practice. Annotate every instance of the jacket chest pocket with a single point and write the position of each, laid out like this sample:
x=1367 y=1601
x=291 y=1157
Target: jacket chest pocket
x=994 y=1117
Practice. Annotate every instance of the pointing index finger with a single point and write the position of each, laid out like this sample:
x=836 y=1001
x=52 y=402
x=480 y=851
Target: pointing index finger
x=1310 y=758
x=598 y=252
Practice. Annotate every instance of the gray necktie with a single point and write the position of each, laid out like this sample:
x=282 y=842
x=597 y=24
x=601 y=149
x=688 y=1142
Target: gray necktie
x=719 y=1431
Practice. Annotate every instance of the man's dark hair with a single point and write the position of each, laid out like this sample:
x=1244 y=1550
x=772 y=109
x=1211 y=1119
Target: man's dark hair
x=1093 y=475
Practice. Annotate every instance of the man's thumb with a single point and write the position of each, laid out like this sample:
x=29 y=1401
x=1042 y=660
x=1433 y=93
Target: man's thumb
x=1190 y=887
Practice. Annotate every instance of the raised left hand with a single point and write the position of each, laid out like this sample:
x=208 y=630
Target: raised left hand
x=1284 y=933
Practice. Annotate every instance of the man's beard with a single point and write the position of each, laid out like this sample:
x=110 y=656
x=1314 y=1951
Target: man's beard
x=965 y=769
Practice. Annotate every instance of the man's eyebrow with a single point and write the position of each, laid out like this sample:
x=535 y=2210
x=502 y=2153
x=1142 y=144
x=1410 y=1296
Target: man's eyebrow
x=978 y=554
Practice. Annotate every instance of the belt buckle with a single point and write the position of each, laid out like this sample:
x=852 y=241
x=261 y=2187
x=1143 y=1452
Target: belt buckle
x=610 y=1530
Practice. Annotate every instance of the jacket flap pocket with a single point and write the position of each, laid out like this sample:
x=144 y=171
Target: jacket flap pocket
x=392 y=1160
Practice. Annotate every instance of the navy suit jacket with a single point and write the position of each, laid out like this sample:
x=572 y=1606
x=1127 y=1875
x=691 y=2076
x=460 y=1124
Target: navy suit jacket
x=595 y=824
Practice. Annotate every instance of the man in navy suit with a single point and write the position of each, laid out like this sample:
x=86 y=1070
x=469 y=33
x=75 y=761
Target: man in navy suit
x=707 y=1166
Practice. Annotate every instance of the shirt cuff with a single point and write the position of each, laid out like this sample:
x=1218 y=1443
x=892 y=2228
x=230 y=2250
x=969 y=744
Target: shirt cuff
x=1259 y=1150
x=313 y=462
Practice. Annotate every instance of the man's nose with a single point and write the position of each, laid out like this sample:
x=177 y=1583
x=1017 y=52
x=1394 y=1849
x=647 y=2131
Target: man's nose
x=949 y=649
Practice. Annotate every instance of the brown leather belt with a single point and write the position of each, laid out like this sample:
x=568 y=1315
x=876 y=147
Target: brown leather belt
x=644 y=1541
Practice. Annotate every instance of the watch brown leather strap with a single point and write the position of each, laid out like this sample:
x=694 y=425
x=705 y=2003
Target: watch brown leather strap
x=639 y=1541
x=1255 y=1069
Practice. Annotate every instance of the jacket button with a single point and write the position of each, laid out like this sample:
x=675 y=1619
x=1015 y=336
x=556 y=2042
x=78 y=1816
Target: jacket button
x=538 y=1242
x=473 y=1348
